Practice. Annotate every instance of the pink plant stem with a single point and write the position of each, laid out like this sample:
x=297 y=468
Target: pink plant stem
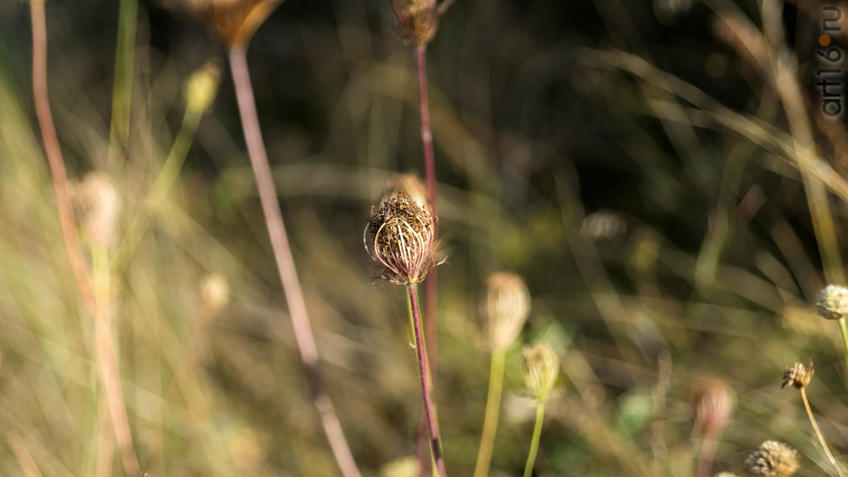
x=432 y=427
x=705 y=456
x=285 y=262
x=104 y=343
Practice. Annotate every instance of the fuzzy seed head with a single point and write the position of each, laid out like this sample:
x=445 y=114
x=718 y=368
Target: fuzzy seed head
x=542 y=370
x=214 y=292
x=235 y=21
x=202 y=86
x=832 y=303
x=797 y=375
x=400 y=237
x=418 y=20
x=772 y=459
x=506 y=308
x=99 y=206
x=712 y=402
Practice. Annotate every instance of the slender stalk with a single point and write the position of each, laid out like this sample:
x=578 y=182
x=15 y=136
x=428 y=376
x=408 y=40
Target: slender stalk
x=705 y=456
x=22 y=454
x=843 y=331
x=819 y=434
x=421 y=353
x=534 y=444
x=82 y=277
x=119 y=127
x=493 y=408
x=285 y=262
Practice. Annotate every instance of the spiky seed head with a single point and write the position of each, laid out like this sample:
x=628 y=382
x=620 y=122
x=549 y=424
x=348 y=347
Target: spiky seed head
x=411 y=185
x=235 y=21
x=400 y=237
x=99 y=206
x=772 y=459
x=418 y=20
x=214 y=292
x=832 y=303
x=712 y=402
x=542 y=370
x=506 y=308
x=797 y=375
x=202 y=86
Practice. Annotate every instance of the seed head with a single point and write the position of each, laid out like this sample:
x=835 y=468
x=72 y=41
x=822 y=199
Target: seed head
x=411 y=185
x=507 y=307
x=542 y=370
x=99 y=205
x=418 y=20
x=832 y=303
x=235 y=21
x=202 y=86
x=797 y=375
x=712 y=401
x=214 y=292
x=400 y=238
x=772 y=459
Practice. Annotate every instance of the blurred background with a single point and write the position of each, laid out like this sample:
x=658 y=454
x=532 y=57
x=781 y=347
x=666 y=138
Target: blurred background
x=635 y=162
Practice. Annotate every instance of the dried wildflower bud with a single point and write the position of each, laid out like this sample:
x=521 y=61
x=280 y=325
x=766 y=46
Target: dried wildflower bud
x=202 y=86
x=712 y=402
x=798 y=375
x=832 y=303
x=507 y=307
x=235 y=21
x=772 y=459
x=418 y=20
x=412 y=186
x=98 y=204
x=542 y=370
x=214 y=292
x=400 y=238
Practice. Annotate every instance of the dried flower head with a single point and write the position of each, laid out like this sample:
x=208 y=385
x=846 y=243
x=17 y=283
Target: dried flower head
x=202 y=86
x=418 y=20
x=411 y=185
x=542 y=370
x=712 y=402
x=832 y=303
x=797 y=375
x=507 y=306
x=214 y=292
x=99 y=205
x=772 y=459
x=235 y=21
x=400 y=238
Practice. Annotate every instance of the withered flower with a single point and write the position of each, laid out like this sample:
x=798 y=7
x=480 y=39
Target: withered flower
x=418 y=20
x=235 y=21
x=797 y=375
x=506 y=307
x=832 y=303
x=400 y=238
x=542 y=370
x=773 y=459
x=99 y=206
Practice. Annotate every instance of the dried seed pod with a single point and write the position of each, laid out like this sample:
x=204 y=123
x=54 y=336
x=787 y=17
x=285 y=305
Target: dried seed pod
x=712 y=402
x=418 y=20
x=773 y=459
x=542 y=370
x=235 y=21
x=99 y=206
x=832 y=303
x=797 y=375
x=506 y=308
x=400 y=237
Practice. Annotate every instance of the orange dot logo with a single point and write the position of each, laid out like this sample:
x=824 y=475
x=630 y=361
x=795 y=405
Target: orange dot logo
x=824 y=40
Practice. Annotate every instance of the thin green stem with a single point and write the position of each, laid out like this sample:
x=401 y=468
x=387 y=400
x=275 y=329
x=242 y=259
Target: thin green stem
x=843 y=331
x=493 y=408
x=534 y=445
x=122 y=87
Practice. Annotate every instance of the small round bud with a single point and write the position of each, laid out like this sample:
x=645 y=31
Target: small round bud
x=214 y=292
x=542 y=370
x=99 y=205
x=712 y=402
x=773 y=459
x=797 y=375
x=832 y=303
x=400 y=237
x=507 y=307
x=418 y=20
x=202 y=86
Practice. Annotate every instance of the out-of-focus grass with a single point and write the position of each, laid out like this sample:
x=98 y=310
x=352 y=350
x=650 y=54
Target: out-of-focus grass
x=709 y=270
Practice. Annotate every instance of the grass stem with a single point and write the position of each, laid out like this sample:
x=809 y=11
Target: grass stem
x=819 y=434
x=534 y=444
x=493 y=408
